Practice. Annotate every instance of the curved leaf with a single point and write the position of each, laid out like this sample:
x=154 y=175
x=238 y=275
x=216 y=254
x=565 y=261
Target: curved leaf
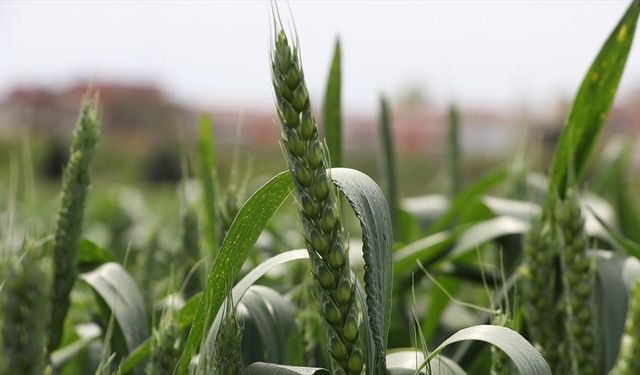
x=466 y=196
x=269 y=333
x=407 y=361
x=526 y=359
x=187 y=313
x=369 y=205
x=426 y=208
x=244 y=285
x=426 y=250
x=261 y=368
x=616 y=275
x=245 y=229
x=508 y=207
x=91 y=255
x=88 y=333
x=117 y=289
x=486 y=231
x=272 y=316
x=592 y=104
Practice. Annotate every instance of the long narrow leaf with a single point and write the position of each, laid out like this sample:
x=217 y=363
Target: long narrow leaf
x=370 y=207
x=187 y=313
x=262 y=368
x=206 y=165
x=389 y=163
x=616 y=277
x=526 y=359
x=468 y=195
x=332 y=111
x=119 y=292
x=247 y=226
x=592 y=104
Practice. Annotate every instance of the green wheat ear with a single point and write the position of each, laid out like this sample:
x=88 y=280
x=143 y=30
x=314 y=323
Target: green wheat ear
x=165 y=346
x=538 y=285
x=318 y=208
x=578 y=282
x=24 y=315
x=227 y=355
x=628 y=362
x=75 y=186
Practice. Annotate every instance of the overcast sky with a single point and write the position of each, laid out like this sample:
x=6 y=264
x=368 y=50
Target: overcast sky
x=498 y=53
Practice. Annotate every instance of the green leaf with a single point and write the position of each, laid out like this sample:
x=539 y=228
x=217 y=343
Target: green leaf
x=630 y=247
x=241 y=237
x=453 y=140
x=486 y=231
x=427 y=250
x=389 y=164
x=526 y=359
x=437 y=305
x=62 y=356
x=622 y=198
x=272 y=316
x=369 y=205
x=509 y=207
x=332 y=112
x=187 y=313
x=470 y=194
x=244 y=285
x=91 y=255
x=117 y=289
x=592 y=104
x=407 y=361
x=426 y=209
x=206 y=176
x=367 y=201
x=408 y=226
x=261 y=368
x=616 y=275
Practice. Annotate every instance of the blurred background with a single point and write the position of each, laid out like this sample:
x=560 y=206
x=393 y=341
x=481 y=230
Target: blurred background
x=511 y=67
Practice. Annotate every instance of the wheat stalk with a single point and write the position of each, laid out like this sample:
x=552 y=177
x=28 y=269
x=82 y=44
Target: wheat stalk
x=75 y=186
x=318 y=208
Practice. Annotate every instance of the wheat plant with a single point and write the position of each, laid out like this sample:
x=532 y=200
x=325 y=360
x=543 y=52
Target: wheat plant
x=318 y=206
x=75 y=187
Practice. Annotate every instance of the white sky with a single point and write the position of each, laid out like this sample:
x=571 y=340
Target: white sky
x=497 y=53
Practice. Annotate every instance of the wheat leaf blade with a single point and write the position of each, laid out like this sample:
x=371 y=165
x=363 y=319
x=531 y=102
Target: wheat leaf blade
x=592 y=103
x=332 y=109
x=242 y=235
x=367 y=200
